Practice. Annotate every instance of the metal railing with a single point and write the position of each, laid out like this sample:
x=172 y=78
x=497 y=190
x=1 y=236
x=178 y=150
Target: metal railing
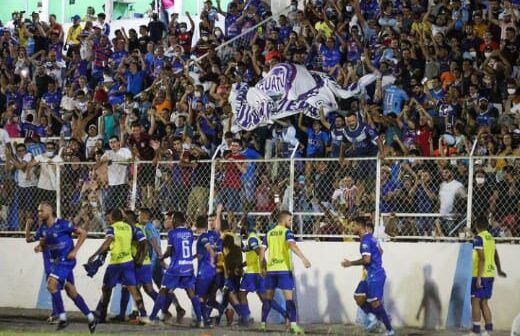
x=407 y=197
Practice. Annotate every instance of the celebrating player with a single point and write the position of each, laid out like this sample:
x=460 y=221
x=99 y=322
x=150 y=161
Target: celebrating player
x=485 y=264
x=121 y=269
x=373 y=285
x=180 y=272
x=252 y=281
x=277 y=268
x=56 y=236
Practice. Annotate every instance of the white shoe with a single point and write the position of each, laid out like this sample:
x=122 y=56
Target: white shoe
x=485 y=333
x=390 y=332
x=472 y=334
x=144 y=320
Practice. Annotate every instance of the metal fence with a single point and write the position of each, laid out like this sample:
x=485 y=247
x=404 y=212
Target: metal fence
x=408 y=197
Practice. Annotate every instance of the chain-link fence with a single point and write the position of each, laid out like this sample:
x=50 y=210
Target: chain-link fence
x=414 y=197
x=328 y=193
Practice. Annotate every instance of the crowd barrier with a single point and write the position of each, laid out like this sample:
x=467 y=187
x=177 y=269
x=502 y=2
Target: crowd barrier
x=409 y=197
x=434 y=276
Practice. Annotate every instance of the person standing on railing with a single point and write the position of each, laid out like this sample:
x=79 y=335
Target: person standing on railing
x=139 y=142
x=47 y=182
x=449 y=190
x=231 y=183
x=26 y=182
x=117 y=159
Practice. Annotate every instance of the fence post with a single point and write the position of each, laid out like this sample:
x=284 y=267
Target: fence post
x=291 y=187
x=471 y=167
x=378 y=193
x=58 y=189
x=133 y=197
x=212 y=180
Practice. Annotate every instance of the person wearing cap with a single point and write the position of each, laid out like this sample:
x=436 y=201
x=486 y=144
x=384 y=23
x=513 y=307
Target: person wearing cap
x=72 y=41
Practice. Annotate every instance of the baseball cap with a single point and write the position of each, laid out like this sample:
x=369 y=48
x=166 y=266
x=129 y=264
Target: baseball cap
x=76 y=18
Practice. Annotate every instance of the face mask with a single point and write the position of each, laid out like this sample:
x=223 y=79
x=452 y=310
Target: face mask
x=218 y=33
x=487 y=54
x=204 y=38
x=183 y=30
x=93 y=204
x=50 y=154
x=178 y=54
x=511 y=91
x=480 y=180
x=197 y=94
x=293 y=8
x=473 y=54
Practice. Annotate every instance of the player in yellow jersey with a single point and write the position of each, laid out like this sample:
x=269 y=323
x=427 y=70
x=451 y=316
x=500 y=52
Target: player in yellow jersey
x=486 y=263
x=277 y=267
x=253 y=281
x=121 y=268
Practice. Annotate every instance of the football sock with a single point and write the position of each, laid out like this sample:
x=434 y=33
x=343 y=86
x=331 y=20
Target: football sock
x=266 y=307
x=195 y=301
x=489 y=326
x=82 y=306
x=123 y=303
x=158 y=305
x=381 y=315
x=476 y=328
x=58 y=302
x=290 y=307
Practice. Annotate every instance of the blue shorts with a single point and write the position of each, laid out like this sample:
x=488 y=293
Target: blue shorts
x=253 y=282
x=487 y=288
x=375 y=288
x=62 y=272
x=283 y=280
x=232 y=284
x=143 y=274
x=120 y=273
x=361 y=289
x=203 y=285
x=175 y=281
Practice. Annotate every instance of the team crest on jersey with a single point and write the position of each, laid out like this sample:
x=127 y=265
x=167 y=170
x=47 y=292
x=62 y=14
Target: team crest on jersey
x=364 y=245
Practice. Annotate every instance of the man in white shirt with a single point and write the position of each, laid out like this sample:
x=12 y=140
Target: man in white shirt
x=118 y=159
x=449 y=190
x=26 y=181
x=5 y=144
x=47 y=182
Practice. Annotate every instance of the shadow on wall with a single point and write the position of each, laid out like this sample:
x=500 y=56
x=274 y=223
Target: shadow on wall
x=431 y=302
x=390 y=305
x=335 y=312
x=309 y=293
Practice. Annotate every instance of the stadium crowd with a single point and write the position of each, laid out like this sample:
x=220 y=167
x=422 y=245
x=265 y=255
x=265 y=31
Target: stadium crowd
x=448 y=74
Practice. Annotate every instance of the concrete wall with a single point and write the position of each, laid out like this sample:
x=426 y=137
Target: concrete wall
x=435 y=272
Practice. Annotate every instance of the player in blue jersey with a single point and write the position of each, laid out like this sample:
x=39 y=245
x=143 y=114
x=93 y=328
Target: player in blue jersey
x=47 y=262
x=56 y=237
x=180 y=272
x=207 y=271
x=374 y=283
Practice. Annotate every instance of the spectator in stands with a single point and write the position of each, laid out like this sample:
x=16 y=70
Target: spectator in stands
x=449 y=190
x=231 y=182
x=117 y=159
x=47 y=163
x=24 y=199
